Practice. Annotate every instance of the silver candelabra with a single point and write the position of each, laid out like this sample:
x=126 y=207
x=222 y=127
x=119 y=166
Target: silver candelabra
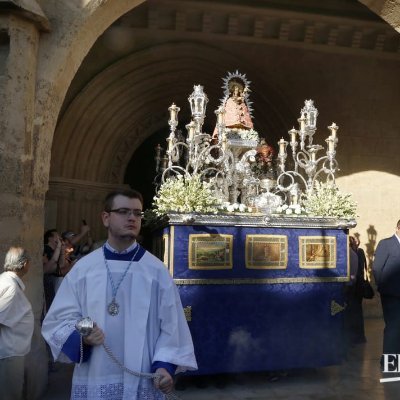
x=223 y=162
x=227 y=158
x=308 y=167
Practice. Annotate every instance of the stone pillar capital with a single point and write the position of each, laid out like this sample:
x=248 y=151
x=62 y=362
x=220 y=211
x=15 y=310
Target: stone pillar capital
x=28 y=9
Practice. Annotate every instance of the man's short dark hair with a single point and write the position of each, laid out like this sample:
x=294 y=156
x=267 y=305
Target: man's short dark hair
x=130 y=193
x=398 y=224
x=48 y=234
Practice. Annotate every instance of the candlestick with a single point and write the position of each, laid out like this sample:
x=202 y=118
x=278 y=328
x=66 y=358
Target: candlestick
x=282 y=146
x=191 y=128
x=158 y=150
x=224 y=141
x=331 y=144
x=302 y=121
x=313 y=155
x=164 y=163
x=220 y=111
x=292 y=134
x=333 y=128
x=170 y=144
x=173 y=112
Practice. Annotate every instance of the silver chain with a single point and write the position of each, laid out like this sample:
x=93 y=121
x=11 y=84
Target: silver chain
x=114 y=305
x=146 y=375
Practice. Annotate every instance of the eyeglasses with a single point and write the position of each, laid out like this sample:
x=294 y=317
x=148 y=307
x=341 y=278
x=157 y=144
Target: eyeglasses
x=126 y=212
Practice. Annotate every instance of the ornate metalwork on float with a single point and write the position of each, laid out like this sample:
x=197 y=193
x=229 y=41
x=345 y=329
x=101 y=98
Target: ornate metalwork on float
x=235 y=162
x=307 y=167
x=224 y=158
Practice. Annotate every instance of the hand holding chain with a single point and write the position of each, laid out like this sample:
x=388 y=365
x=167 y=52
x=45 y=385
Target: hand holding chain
x=85 y=326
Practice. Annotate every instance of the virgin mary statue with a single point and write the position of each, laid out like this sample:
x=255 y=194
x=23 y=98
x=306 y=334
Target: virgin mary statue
x=236 y=103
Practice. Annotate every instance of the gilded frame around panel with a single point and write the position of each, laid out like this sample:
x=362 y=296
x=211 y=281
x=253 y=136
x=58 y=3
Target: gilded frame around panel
x=204 y=248
x=171 y=249
x=266 y=241
x=313 y=252
x=165 y=239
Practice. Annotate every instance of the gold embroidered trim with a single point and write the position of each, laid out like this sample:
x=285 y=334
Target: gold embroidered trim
x=261 y=281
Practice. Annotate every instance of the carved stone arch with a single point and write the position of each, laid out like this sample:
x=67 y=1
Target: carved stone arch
x=128 y=101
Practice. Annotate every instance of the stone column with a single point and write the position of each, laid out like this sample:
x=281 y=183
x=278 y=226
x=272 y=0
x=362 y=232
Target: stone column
x=21 y=211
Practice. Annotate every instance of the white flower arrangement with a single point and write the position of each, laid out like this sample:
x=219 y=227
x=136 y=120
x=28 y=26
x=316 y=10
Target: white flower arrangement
x=235 y=207
x=293 y=209
x=328 y=201
x=185 y=194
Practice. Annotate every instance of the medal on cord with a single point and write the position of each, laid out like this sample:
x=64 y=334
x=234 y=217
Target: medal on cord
x=113 y=307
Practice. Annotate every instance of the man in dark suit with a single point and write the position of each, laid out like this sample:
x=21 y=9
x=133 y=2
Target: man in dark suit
x=386 y=270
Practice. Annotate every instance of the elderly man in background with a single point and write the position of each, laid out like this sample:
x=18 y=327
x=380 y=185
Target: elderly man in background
x=16 y=324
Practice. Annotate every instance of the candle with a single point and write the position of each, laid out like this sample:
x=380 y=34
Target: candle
x=302 y=121
x=158 y=150
x=333 y=128
x=191 y=129
x=173 y=112
x=292 y=134
x=282 y=146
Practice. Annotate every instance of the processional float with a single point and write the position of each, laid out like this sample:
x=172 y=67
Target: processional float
x=260 y=275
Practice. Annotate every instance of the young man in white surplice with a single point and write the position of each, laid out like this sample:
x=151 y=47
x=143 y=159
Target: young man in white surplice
x=136 y=310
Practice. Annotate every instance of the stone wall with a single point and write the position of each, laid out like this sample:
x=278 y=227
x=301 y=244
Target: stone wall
x=21 y=213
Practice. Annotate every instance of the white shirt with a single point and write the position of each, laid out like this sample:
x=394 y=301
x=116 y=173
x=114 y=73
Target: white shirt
x=16 y=317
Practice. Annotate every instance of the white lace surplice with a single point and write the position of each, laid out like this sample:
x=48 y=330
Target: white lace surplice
x=149 y=327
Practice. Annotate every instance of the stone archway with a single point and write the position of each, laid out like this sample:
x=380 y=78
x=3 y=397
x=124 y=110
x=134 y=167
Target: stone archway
x=31 y=107
x=62 y=51
x=78 y=25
